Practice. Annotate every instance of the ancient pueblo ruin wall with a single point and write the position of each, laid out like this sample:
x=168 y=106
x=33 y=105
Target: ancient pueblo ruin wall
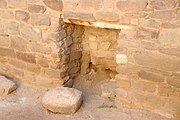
x=137 y=42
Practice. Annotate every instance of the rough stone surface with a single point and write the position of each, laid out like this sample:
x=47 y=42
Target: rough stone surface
x=170 y=37
x=4 y=40
x=165 y=15
x=78 y=16
x=18 y=43
x=13 y=27
x=157 y=60
x=3 y=4
x=131 y=5
x=108 y=89
x=62 y=100
x=33 y=8
x=21 y=15
x=7 y=52
x=40 y=19
x=6 y=86
x=30 y=32
x=21 y=4
x=106 y=16
x=91 y=5
x=54 y=4
x=162 y=4
x=150 y=76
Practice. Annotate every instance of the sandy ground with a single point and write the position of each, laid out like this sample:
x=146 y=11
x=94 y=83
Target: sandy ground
x=25 y=104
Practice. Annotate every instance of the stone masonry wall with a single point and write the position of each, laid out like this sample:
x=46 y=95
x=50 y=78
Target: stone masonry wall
x=38 y=48
x=150 y=38
x=29 y=41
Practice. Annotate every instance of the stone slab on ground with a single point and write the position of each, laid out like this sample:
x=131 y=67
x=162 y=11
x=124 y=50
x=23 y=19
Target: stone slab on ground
x=62 y=100
x=6 y=86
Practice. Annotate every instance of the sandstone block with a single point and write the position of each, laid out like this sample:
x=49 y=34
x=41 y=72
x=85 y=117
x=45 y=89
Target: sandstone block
x=36 y=47
x=44 y=62
x=171 y=24
x=135 y=15
x=150 y=76
x=173 y=104
x=149 y=45
x=33 y=8
x=43 y=81
x=4 y=40
x=144 y=33
x=170 y=51
x=27 y=57
x=143 y=86
x=147 y=99
x=174 y=82
x=52 y=73
x=107 y=16
x=7 y=52
x=30 y=32
x=18 y=43
x=75 y=55
x=17 y=73
x=17 y=63
x=91 y=5
x=157 y=60
x=6 y=86
x=70 y=5
x=131 y=5
x=20 y=4
x=154 y=101
x=162 y=4
x=13 y=27
x=62 y=34
x=104 y=45
x=3 y=4
x=137 y=96
x=62 y=100
x=170 y=37
x=149 y=23
x=68 y=41
x=165 y=90
x=21 y=15
x=105 y=54
x=54 y=4
x=164 y=15
x=6 y=14
x=40 y=19
x=33 y=68
x=78 y=16
x=65 y=59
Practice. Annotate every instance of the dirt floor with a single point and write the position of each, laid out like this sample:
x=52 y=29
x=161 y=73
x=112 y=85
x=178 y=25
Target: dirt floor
x=25 y=104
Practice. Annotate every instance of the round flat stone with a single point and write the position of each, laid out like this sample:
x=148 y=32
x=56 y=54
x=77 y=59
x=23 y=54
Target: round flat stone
x=62 y=100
